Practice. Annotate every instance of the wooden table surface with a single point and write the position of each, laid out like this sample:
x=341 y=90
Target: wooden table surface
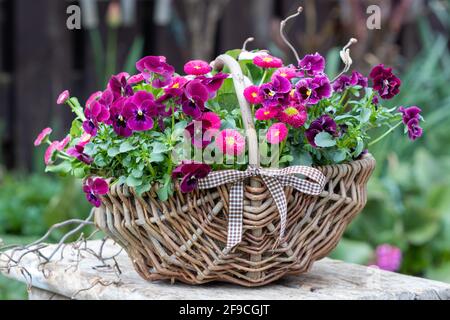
x=86 y=277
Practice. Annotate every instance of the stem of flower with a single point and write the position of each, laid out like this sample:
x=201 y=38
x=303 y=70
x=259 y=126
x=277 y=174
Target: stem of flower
x=263 y=77
x=283 y=36
x=385 y=134
x=244 y=46
x=343 y=97
x=76 y=110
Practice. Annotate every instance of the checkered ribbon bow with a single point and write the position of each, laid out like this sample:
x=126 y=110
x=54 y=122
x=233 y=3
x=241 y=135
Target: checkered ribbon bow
x=275 y=180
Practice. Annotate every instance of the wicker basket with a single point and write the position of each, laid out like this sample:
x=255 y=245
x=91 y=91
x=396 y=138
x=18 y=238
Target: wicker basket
x=185 y=238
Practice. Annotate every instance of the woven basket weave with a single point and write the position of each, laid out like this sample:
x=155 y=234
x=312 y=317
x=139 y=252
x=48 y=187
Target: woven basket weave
x=184 y=238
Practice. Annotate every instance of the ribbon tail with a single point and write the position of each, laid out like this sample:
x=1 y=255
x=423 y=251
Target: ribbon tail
x=236 y=207
x=277 y=192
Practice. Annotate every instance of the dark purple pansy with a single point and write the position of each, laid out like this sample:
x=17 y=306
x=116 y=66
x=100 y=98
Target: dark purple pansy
x=275 y=92
x=119 y=86
x=95 y=113
x=194 y=98
x=156 y=69
x=78 y=153
x=357 y=79
x=118 y=119
x=411 y=118
x=312 y=64
x=191 y=172
x=311 y=90
x=342 y=83
x=94 y=188
x=139 y=117
x=385 y=82
x=213 y=83
x=201 y=132
x=323 y=124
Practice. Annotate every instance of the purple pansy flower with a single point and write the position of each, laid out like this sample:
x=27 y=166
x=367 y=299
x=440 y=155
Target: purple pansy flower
x=358 y=79
x=388 y=257
x=119 y=86
x=213 y=83
x=342 y=83
x=193 y=101
x=139 y=116
x=118 y=119
x=411 y=118
x=323 y=124
x=312 y=90
x=385 y=82
x=78 y=153
x=312 y=64
x=156 y=69
x=93 y=188
x=95 y=113
x=275 y=92
x=191 y=172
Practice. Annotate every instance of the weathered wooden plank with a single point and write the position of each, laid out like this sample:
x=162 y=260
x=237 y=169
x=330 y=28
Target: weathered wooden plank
x=328 y=279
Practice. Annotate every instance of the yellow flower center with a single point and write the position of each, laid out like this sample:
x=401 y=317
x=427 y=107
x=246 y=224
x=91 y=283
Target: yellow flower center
x=140 y=113
x=284 y=74
x=254 y=95
x=267 y=59
x=276 y=133
x=230 y=141
x=266 y=113
x=120 y=118
x=292 y=93
x=197 y=67
x=291 y=111
x=176 y=85
x=308 y=92
x=271 y=93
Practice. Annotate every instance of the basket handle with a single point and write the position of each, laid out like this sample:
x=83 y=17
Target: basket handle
x=240 y=83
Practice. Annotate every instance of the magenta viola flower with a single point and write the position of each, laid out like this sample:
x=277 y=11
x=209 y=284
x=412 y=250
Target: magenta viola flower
x=267 y=61
x=201 y=132
x=230 y=142
x=50 y=152
x=63 y=97
x=42 y=136
x=388 y=257
x=311 y=90
x=156 y=69
x=312 y=64
x=95 y=113
x=275 y=92
x=193 y=101
x=78 y=153
x=266 y=113
x=286 y=72
x=358 y=79
x=119 y=120
x=213 y=83
x=342 y=83
x=191 y=172
x=294 y=115
x=213 y=119
x=175 y=89
x=135 y=79
x=323 y=124
x=277 y=133
x=139 y=117
x=197 y=67
x=385 y=82
x=94 y=188
x=251 y=94
x=412 y=118
x=93 y=97
x=119 y=86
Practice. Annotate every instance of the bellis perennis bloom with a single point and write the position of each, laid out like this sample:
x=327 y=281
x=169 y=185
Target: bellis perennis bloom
x=294 y=115
x=42 y=136
x=251 y=94
x=266 y=113
x=197 y=67
x=277 y=133
x=267 y=61
x=63 y=97
x=230 y=142
x=94 y=188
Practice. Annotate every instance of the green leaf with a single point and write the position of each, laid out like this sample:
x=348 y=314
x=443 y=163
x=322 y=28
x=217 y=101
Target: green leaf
x=158 y=147
x=143 y=188
x=126 y=146
x=137 y=173
x=234 y=53
x=302 y=159
x=112 y=152
x=339 y=156
x=79 y=173
x=156 y=157
x=76 y=128
x=365 y=114
x=325 y=140
x=133 y=182
x=63 y=167
x=359 y=147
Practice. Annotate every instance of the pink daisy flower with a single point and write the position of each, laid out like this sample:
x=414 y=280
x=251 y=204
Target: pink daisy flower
x=266 y=113
x=267 y=61
x=197 y=67
x=295 y=116
x=213 y=119
x=286 y=72
x=277 y=133
x=63 y=143
x=63 y=97
x=84 y=139
x=42 y=136
x=388 y=257
x=48 y=156
x=252 y=95
x=230 y=142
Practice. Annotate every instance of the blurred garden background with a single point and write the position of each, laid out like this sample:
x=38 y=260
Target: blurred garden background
x=409 y=195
